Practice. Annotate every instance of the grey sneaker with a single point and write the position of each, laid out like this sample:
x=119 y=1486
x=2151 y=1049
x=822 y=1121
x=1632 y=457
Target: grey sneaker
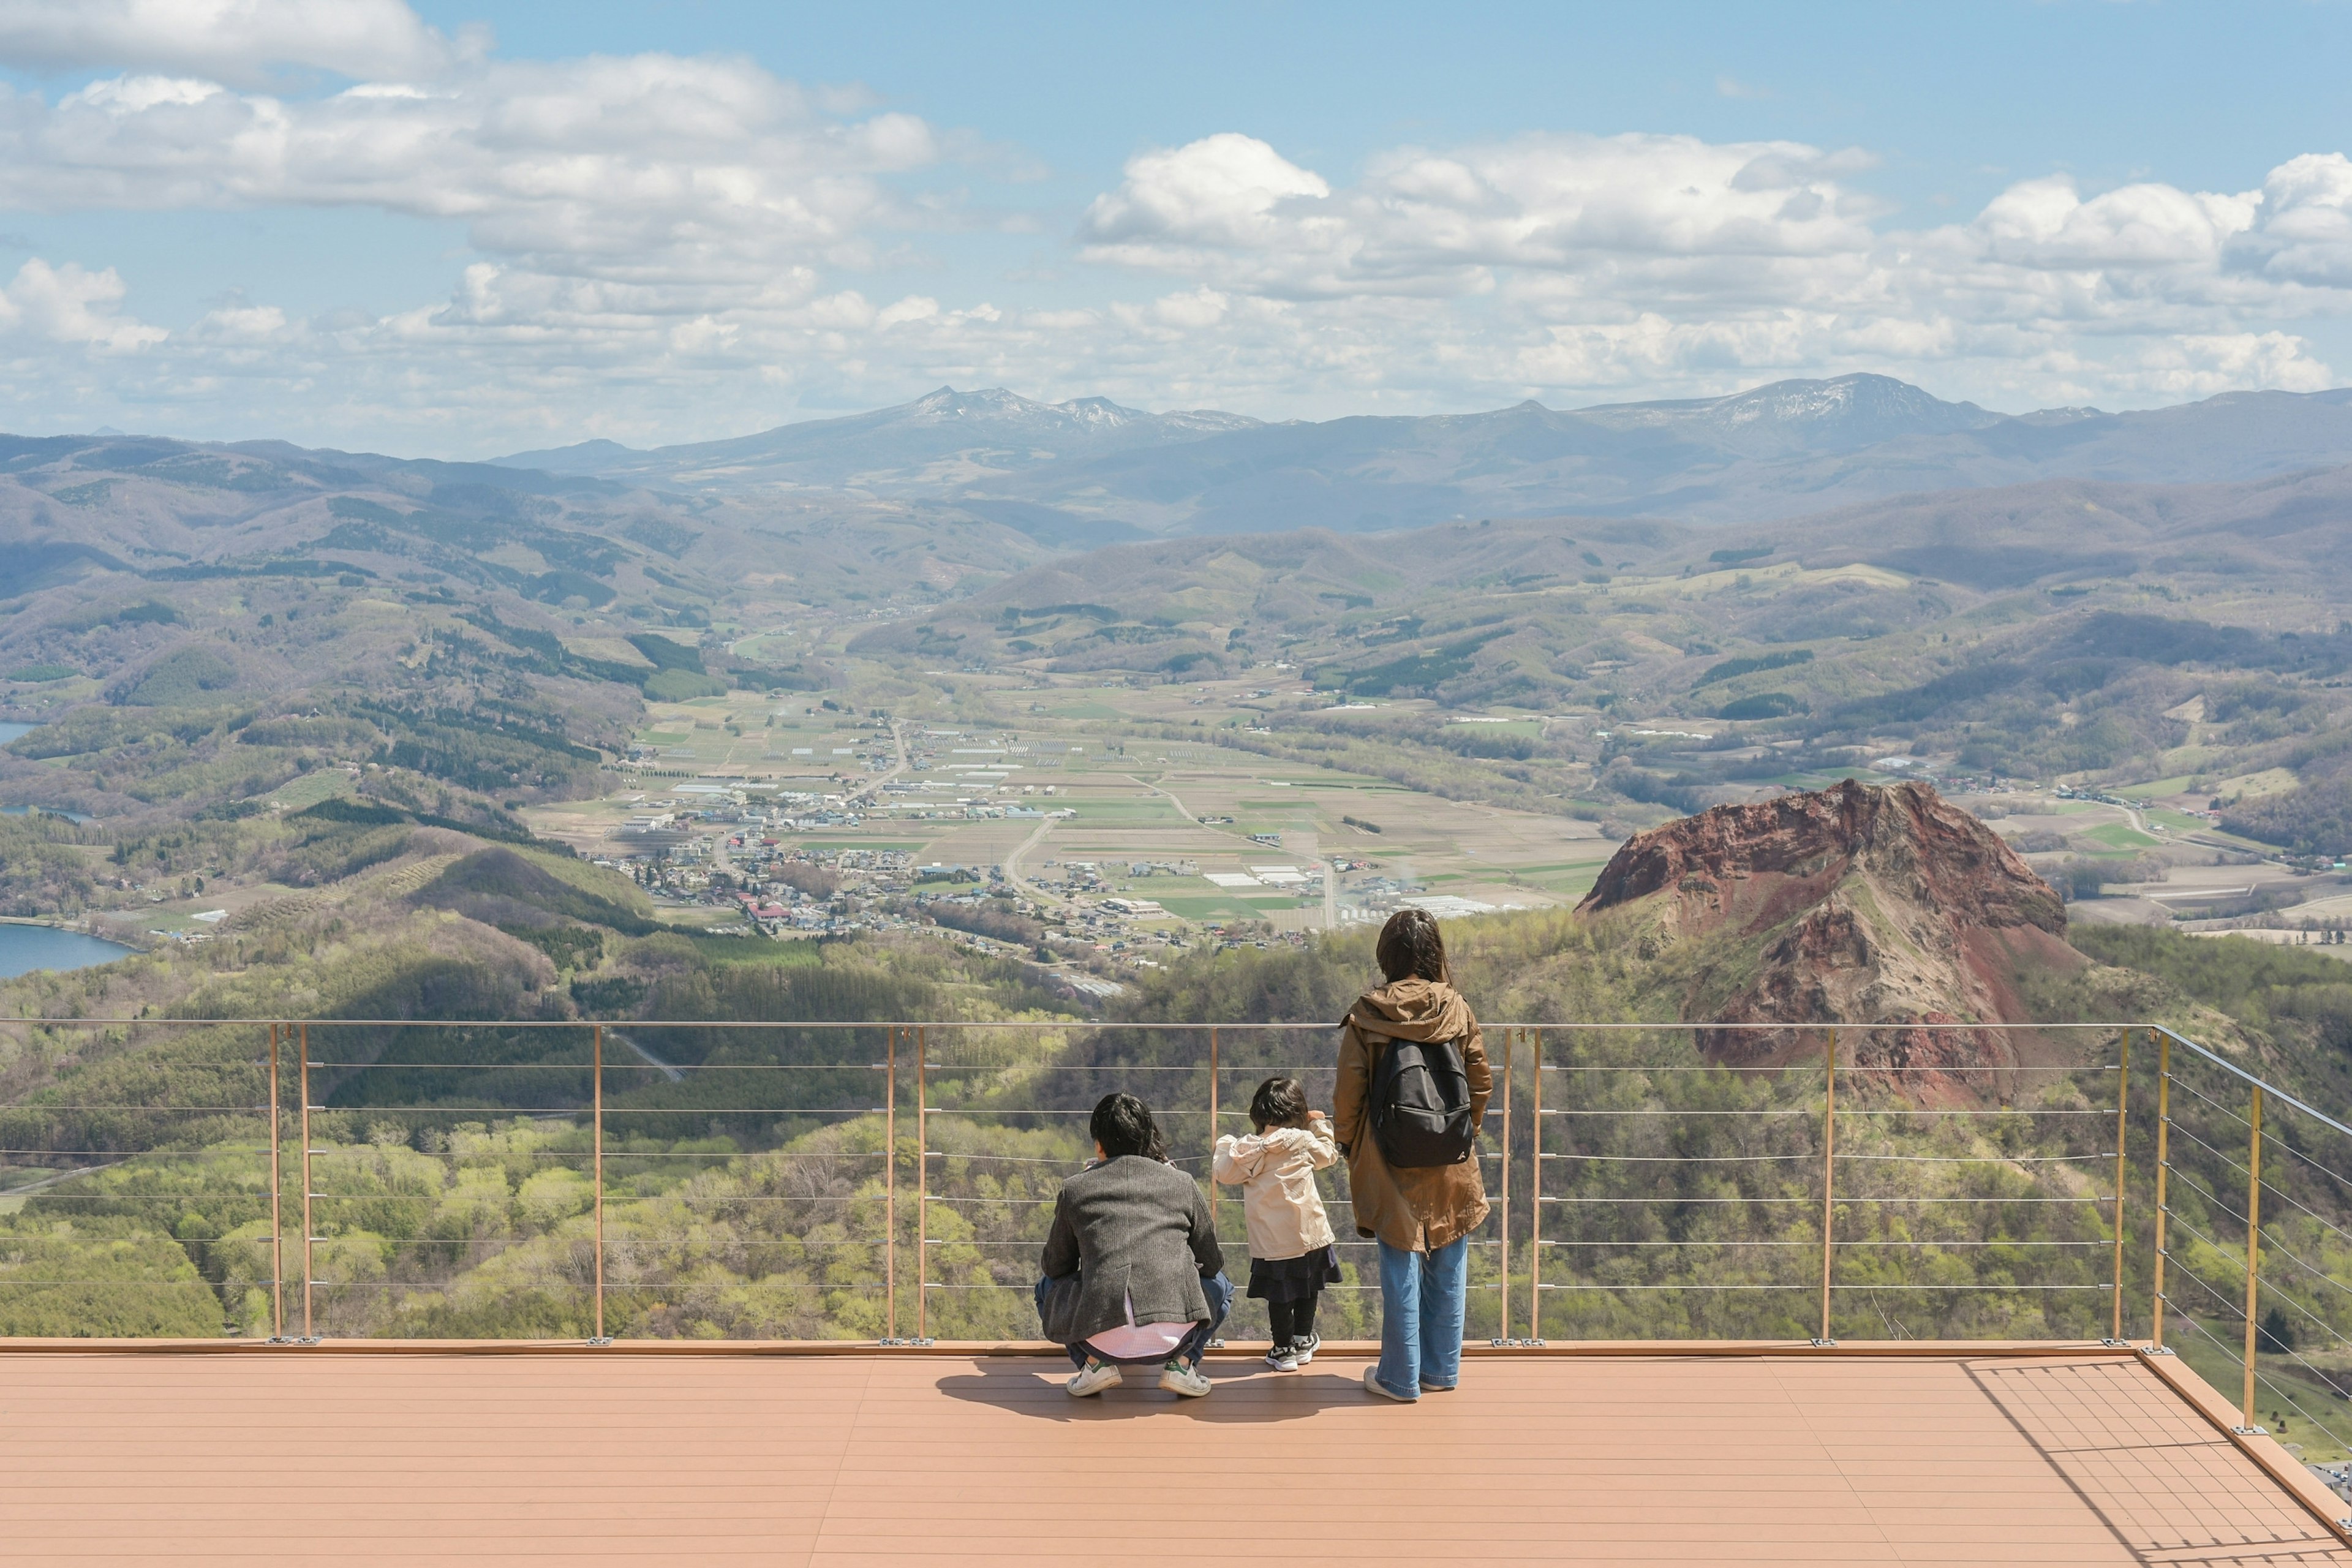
x=1093 y=1378
x=1373 y=1384
x=1283 y=1358
x=1304 y=1349
x=1187 y=1380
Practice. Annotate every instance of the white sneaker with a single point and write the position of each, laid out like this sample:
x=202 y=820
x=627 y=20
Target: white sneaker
x=1304 y=1349
x=1283 y=1358
x=1373 y=1384
x=1188 y=1381
x=1093 y=1378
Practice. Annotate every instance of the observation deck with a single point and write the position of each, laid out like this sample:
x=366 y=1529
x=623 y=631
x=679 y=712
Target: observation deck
x=1948 y=1454
x=1807 y=1302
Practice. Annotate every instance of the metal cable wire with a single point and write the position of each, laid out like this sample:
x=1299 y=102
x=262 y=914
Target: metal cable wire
x=1979 y=1159
x=2270 y=1245
x=609 y=1067
x=52 y=1105
x=2287 y=1148
x=2279 y=1292
x=2236 y=1353
x=2220 y=1204
x=1668 y=1110
x=2289 y=1198
x=1684 y=1159
x=1543 y=1285
x=2194 y=1093
x=2209 y=1149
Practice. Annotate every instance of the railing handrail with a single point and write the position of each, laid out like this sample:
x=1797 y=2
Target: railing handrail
x=1745 y=1024
x=2270 y=1091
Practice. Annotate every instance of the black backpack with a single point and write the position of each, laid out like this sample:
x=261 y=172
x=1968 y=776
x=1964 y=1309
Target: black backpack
x=1420 y=1104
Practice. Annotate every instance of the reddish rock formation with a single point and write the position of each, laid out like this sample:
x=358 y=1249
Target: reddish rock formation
x=1859 y=904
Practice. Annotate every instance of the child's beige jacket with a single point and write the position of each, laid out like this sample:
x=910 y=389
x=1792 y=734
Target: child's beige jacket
x=1276 y=1172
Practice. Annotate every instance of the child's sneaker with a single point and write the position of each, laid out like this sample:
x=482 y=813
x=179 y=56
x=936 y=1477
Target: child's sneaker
x=1093 y=1378
x=1283 y=1357
x=1303 y=1350
x=1187 y=1380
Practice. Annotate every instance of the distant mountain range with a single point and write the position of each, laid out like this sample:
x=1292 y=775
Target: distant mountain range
x=1090 y=472
x=945 y=439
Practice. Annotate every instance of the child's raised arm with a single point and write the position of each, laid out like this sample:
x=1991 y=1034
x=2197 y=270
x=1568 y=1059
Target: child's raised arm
x=1325 y=1151
x=1235 y=1164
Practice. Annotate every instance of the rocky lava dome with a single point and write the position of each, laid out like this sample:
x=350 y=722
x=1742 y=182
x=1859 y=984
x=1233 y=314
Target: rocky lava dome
x=1860 y=904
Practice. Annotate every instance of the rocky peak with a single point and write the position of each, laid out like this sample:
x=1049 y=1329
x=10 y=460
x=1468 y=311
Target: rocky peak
x=1857 y=904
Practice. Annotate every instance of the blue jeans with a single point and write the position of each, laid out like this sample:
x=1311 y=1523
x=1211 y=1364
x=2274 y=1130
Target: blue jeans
x=1193 y=1347
x=1422 y=1297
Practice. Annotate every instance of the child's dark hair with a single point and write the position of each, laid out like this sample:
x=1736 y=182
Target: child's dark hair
x=1409 y=947
x=1279 y=1102
x=1123 y=1124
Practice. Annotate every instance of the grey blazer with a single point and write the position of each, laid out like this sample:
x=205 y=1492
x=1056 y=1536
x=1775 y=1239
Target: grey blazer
x=1131 y=1225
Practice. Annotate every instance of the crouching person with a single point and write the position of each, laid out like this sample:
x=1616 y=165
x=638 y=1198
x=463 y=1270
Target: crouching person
x=1133 y=1276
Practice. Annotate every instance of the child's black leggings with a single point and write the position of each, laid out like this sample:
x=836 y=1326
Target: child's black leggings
x=1292 y=1321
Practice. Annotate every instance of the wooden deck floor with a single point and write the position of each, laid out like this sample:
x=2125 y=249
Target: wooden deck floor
x=327 y=1455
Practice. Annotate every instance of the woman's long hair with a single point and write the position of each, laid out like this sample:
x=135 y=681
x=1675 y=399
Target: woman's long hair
x=1123 y=1124
x=1409 y=947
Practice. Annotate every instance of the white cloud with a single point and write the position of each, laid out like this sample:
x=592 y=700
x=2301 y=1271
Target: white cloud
x=67 y=305
x=669 y=249
x=236 y=41
x=1231 y=209
x=648 y=171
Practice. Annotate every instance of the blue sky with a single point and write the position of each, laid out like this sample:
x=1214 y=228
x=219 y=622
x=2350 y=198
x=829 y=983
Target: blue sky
x=468 y=229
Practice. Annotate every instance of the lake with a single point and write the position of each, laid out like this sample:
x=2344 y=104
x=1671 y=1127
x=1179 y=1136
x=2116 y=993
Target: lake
x=25 y=947
x=10 y=732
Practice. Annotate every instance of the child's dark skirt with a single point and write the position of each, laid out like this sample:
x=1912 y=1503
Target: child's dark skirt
x=1297 y=1279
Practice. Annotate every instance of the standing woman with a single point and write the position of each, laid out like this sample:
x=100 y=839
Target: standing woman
x=1413 y=1090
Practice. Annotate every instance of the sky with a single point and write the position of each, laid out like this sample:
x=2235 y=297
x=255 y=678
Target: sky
x=468 y=228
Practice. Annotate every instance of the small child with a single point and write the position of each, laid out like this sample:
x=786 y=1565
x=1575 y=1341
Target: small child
x=1291 y=1256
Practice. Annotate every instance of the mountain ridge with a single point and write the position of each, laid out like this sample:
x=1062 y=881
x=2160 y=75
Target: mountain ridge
x=1088 y=471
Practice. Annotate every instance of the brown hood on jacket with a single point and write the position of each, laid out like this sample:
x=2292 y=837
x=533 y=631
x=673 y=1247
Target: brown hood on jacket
x=1422 y=1209
x=1413 y=1009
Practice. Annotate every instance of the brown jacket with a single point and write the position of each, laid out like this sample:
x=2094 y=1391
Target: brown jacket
x=1417 y=1210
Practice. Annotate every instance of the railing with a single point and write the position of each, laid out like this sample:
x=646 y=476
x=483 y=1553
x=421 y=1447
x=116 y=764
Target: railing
x=892 y=1182
x=2253 y=1246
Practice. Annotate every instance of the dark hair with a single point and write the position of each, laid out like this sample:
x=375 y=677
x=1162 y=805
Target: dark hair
x=1123 y=1124
x=1279 y=1102
x=1410 y=946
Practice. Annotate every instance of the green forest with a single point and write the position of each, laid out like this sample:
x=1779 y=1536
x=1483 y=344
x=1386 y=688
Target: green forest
x=750 y=1178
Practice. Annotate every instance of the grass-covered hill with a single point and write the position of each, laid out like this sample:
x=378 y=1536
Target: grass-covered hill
x=193 y=626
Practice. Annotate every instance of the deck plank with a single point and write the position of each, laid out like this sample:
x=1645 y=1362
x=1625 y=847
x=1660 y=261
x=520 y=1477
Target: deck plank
x=877 y=1460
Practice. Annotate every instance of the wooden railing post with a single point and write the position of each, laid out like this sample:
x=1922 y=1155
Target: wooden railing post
x=1535 y=1193
x=1211 y=1171
x=2254 y=1251
x=277 y=1223
x=302 y=1042
x=890 y=1194
x=1510 y=1042
x=923 y=1189
x=596 y=1069
x=2123 y=1105
x=2157 y=1305
x=1829 y=1182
